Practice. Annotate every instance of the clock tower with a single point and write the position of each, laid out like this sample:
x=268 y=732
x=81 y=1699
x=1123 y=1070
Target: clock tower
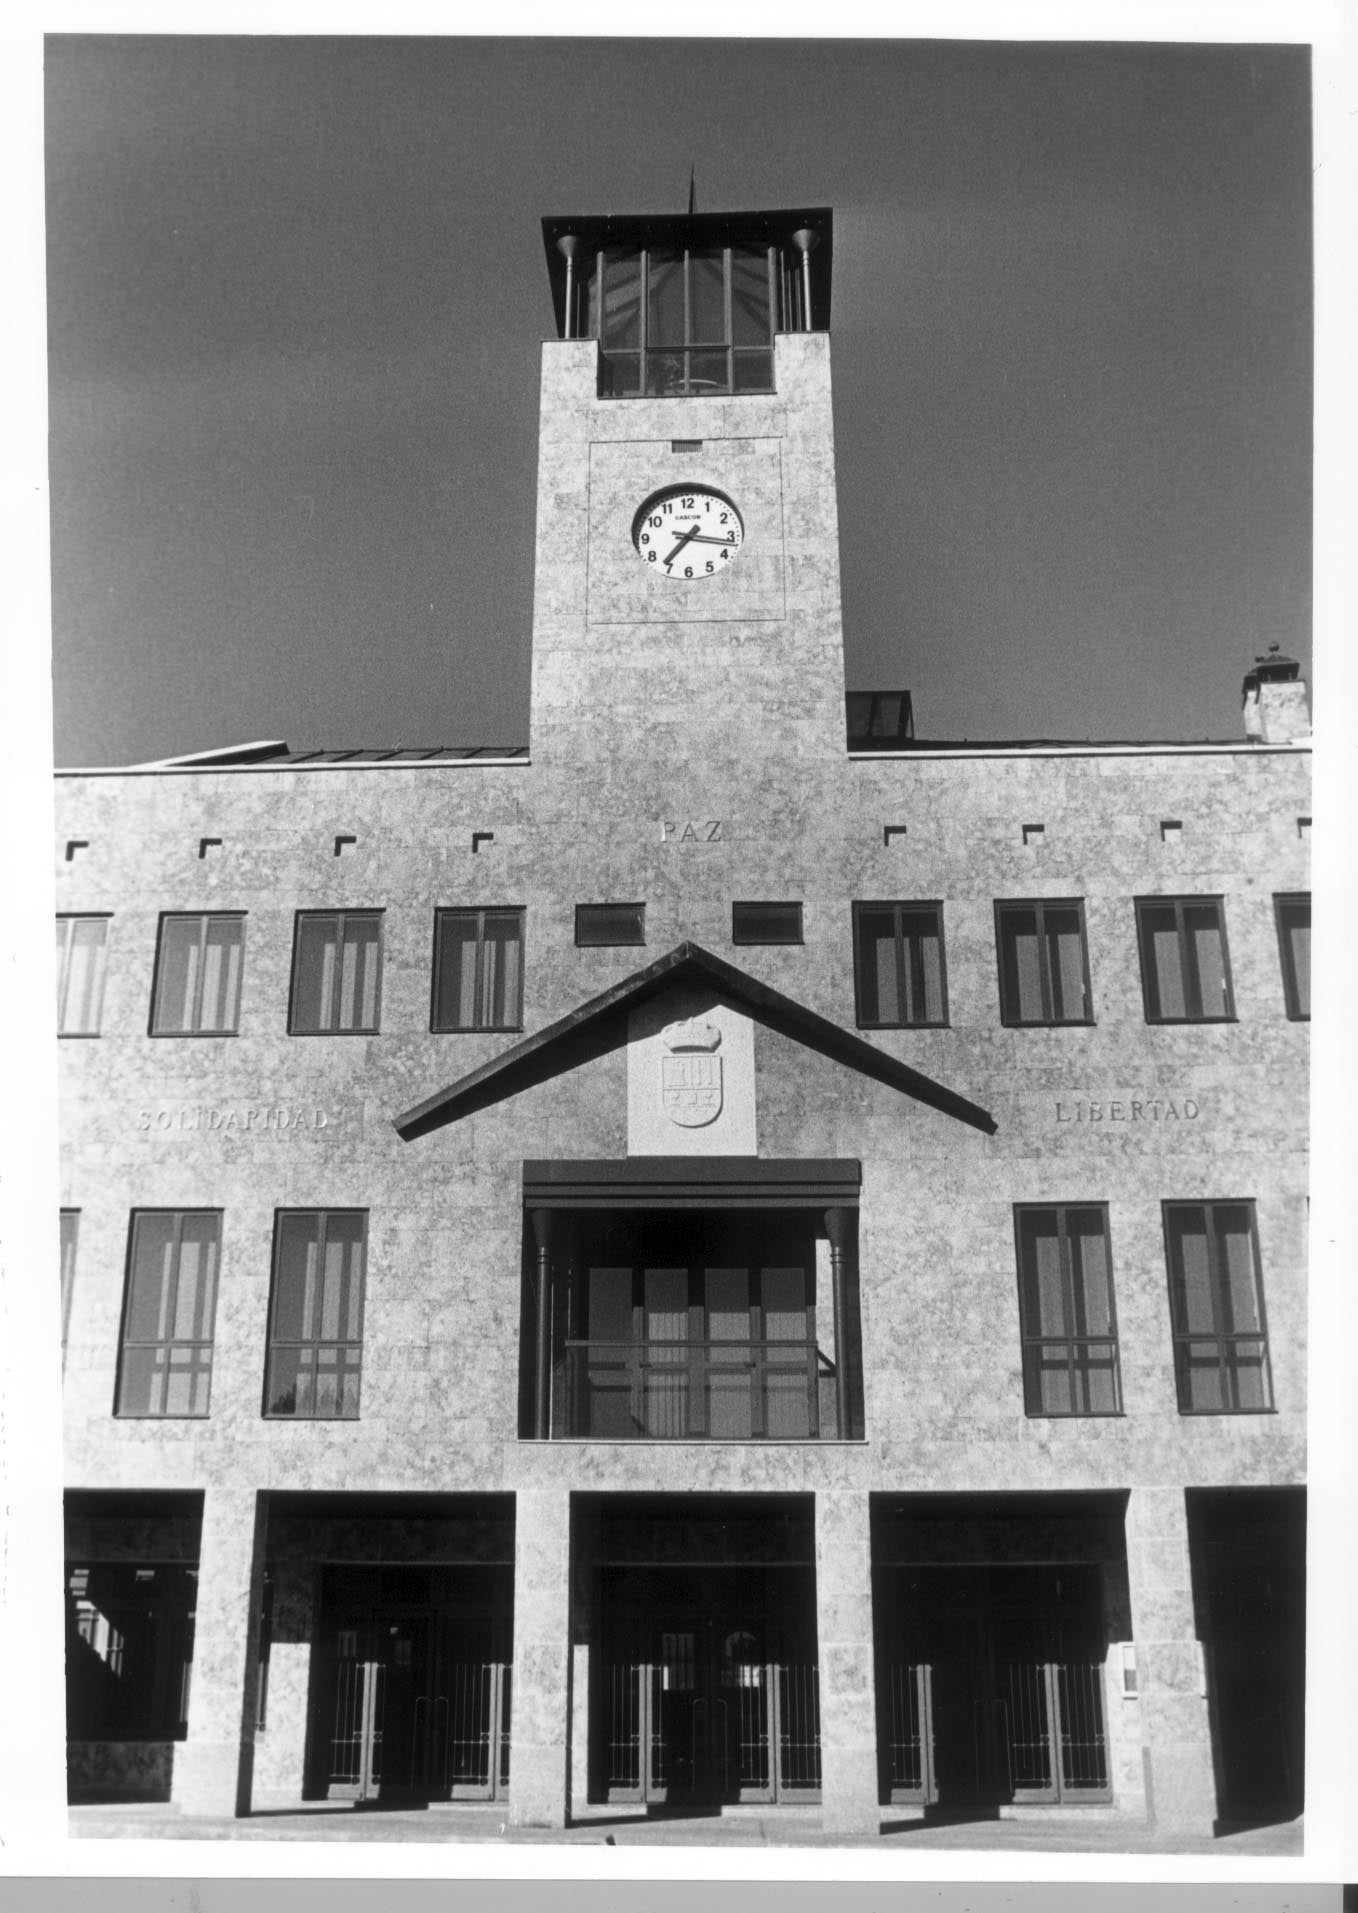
x=687 y=600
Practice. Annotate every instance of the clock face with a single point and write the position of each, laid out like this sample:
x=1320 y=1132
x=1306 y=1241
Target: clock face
x=688 y=532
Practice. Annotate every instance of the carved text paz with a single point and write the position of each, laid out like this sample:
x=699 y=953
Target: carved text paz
x=1150 y=1109
x=207 y=1116
x=691 y=830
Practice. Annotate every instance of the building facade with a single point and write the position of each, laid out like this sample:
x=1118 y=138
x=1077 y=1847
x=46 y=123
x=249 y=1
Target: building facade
x=729 y=1256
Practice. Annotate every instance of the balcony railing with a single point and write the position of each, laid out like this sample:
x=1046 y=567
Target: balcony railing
x=687 y=1391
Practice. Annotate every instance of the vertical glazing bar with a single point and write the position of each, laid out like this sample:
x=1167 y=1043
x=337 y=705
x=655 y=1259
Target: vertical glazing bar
x=643 y=317
x=542 y=1381
x=728 y=318
x=836 y=1232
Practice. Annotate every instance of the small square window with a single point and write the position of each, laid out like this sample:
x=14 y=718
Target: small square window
x=478 y=970
x=198 y=975
x=336 y=973
x=1044 y=964
x=600 y=925
x=1294 y=946
x=81 y=947
x=1185 y=970
x=766 y=923
x=898 y=966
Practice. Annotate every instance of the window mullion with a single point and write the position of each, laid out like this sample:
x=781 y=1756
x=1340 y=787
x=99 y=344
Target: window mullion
x=898 y=939
x=644 y=329
x=1044 y=979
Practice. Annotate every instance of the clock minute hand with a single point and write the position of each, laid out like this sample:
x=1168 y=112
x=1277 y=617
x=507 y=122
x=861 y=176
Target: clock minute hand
x=706 y=538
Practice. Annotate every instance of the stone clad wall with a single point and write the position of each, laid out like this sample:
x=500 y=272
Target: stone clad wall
x=1120 y=1112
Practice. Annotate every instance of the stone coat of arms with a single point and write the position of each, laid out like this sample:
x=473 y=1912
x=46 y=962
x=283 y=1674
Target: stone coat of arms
x=690 y=1075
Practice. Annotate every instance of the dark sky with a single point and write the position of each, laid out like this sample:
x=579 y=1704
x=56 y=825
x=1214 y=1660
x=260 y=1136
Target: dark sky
x=297 y=294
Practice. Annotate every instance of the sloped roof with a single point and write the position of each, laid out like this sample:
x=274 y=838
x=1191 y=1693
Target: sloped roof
x=600 y=1025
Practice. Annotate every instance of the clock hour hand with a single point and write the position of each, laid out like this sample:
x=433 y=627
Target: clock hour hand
x=687 y=538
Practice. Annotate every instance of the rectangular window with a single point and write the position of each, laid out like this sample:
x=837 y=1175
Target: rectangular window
x=898 y=965
x=1044 y=964
x=198 y=971
x=1217 y=1308
x=1294 y=946
x=166 y=1364
x=478 y=970
x=766 y=923
x=598 y=925
x=70 y=1232
x=1185 y=972
x=337 y=973
x=81 y=943
x=1070 y=1346
x=316 y=1313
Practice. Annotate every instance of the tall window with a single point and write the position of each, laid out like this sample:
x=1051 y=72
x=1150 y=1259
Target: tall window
x=337 y=973
x=1044 y=965
x=81 y=942
x=1070 y=1346
x=1217 y=1308
x=1185 y=973
x=198 y=970
x=70 y=1232
x=316 y=1313
x=898 y=965
x=685 y=321
x=1294 y=946
x=478 y=970
x=166 y=1365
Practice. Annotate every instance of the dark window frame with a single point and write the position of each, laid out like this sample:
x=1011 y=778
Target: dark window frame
x=314 y=1341
x=610 y=943
x=1150 y=989
x=1225 y=1337
x=1033 y=1343
x=1009 y=1017
x=640 y=365
x=445 y=914
x=203 y=918
x=64 y=972
x=201 y=1343
x=903 y=909
x=1284 y=902
x=341 y=917
x=773 y=903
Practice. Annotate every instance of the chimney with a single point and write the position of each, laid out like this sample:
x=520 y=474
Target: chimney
x=1274 y=693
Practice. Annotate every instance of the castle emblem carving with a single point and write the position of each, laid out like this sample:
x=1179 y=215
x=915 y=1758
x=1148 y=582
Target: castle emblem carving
x=691 y=1074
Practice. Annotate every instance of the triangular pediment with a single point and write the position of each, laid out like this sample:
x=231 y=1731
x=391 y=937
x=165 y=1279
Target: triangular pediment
x=602 y=1024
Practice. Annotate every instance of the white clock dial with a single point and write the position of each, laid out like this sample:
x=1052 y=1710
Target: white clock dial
x=688 y=532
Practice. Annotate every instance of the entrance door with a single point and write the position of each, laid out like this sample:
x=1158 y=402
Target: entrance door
x=991 y=1688
x=698 y=1704
x=414 y=1701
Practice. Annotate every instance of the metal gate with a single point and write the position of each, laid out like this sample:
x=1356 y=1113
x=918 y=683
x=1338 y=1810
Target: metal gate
x=704 y=1713
x=415 y=1704
x=1007 y=1702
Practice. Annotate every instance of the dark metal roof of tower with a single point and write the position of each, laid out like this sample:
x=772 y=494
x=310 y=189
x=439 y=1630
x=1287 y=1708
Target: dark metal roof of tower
x=634 y=230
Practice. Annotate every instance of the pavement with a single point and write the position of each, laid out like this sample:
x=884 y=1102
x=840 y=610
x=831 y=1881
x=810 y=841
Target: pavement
x=788 y=1827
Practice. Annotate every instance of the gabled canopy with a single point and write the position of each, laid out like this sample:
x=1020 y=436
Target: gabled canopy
x=601 y=1025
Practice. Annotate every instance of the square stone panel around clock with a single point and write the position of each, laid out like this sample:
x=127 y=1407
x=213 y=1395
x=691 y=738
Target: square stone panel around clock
x=623 y=589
